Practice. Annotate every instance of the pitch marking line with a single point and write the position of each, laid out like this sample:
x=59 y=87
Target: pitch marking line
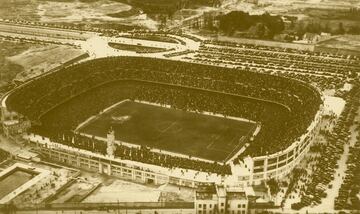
x=240 y=144
x=209 y=146
x=167 y=128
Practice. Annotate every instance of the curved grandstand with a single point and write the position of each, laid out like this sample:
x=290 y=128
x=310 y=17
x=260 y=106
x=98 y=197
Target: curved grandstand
x=57 y=103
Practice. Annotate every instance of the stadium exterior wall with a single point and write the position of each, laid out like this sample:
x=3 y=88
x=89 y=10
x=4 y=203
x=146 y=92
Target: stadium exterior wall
x=260 y=168
x=126 y=169
x=279 y=164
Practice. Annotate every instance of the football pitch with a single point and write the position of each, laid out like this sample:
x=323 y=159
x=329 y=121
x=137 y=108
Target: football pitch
x=197 y=135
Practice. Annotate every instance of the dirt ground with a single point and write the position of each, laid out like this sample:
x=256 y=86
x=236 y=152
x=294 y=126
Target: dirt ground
x=74 y=11
x=349 y=42
x=289 y=7
x=41 y=58
x=77 y=191
x=123 y=191
x=9 y=69
x=58 y=11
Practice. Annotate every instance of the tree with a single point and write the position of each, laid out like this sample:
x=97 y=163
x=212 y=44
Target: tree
x=327 y=28
x=274 y=186
x=259 y=31
x=340 y=29
x=300 y=29
x=264 y=25
x=355 y=30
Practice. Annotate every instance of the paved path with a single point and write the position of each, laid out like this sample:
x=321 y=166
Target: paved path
x=327 y=204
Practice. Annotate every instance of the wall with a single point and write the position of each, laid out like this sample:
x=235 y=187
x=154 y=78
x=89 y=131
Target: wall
x=281 y=163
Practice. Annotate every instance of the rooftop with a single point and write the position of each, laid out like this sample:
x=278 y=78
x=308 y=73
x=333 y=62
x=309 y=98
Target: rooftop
x=236 y=195
x=206 y=189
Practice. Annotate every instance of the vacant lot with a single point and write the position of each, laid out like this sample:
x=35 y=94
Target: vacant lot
x=344 y=44
x=100 y=13
x=10 y=69
x=38 y=59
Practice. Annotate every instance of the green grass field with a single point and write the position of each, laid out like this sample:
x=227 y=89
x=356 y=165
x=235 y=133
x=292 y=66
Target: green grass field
x=196 y=135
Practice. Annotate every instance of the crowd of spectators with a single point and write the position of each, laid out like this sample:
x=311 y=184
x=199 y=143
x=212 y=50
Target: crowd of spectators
x=67 y=117
x=142 y=154
x=285 y=107
x=323 y=170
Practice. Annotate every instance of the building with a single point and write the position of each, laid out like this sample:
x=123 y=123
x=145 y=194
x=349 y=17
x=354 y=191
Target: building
x=249 y=171
x=237 y=202
x=14 y=127
x=211 y=199
x=254 y=170
x=12 y=122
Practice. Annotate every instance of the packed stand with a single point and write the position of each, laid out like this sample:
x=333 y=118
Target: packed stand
x=142 y=154
x=298 y=102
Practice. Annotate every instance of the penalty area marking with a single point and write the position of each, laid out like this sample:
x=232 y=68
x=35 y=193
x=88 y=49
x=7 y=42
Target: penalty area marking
x=94 y=117
x=167 y=128
x=209 y=146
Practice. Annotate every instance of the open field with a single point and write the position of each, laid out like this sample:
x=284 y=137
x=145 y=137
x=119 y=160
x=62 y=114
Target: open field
x=77 y=191
x=326 y=9
x=345 y=44
x=22 y=60
x=20 y=9
x=61 y=11
x=77 y=11
x=95 y=188
x=39 y=59
x=9 y=69
x=192 y=134
x=92 y=12
x=115 y=190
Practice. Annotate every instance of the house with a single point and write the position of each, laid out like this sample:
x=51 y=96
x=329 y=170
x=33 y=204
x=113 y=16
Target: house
x=212 y=199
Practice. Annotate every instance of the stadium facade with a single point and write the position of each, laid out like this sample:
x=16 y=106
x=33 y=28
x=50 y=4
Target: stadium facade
x=251 y=169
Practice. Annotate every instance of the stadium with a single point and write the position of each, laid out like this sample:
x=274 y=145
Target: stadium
x=186 y=123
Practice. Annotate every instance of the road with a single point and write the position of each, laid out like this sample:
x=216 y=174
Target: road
x=44 y=31
x=129 y=211
x=93 y=43
x=327 y=204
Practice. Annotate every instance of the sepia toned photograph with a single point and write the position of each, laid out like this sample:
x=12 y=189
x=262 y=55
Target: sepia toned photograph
x=179 y=106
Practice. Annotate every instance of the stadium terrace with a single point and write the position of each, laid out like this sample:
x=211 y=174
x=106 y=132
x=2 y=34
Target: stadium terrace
x=287 y=111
